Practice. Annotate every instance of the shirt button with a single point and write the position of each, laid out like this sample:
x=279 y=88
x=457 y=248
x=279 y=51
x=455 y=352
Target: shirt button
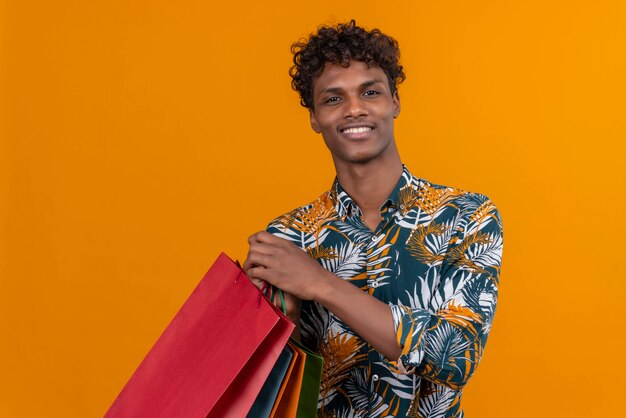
x=374 y=238
x=402 y=207
x=375 y=378
x=375 y=284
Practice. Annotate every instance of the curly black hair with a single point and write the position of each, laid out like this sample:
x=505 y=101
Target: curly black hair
x=339 y=45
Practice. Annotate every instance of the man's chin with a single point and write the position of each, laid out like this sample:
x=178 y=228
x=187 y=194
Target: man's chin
x=359 y=159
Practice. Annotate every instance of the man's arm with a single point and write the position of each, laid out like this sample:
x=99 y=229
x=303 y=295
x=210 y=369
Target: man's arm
x=444 y=347
x=281 y=263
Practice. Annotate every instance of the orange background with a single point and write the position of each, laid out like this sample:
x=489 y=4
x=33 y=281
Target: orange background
x=139 y=139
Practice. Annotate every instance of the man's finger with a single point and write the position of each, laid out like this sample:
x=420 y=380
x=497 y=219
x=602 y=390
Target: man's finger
x=252 y=239
x=261 y=236
x=258 y=283
x=257 y=273
x=266 y=238
x=261 y=248
x=256 y=258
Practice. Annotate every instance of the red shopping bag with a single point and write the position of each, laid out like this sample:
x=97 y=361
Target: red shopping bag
x=214 y=356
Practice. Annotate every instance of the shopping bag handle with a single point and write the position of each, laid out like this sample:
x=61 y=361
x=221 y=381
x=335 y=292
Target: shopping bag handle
x=271 y=289
x=283 y=304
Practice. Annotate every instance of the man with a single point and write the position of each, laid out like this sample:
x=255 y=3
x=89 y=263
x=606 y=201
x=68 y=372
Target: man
x=397 y=284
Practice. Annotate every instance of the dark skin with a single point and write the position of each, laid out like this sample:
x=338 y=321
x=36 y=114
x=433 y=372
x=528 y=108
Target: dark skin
x=354 y=110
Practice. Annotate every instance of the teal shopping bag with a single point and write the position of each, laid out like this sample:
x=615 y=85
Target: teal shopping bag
x=264 y=402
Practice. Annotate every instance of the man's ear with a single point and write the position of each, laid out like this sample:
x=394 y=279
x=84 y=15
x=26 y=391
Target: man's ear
x=396 y=105
x=313 y=119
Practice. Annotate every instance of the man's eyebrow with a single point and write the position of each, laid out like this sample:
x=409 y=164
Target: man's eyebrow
x=371 y=83
x=331 y=90
x=363 y=85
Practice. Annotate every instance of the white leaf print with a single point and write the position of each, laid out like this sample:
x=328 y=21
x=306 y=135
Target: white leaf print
x=436 y=404
x=349 y=261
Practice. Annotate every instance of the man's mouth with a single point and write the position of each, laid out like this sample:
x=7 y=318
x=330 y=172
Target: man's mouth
x=357 y=130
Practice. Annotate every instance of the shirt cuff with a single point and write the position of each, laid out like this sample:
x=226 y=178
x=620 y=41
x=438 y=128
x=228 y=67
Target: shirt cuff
x=410 y=326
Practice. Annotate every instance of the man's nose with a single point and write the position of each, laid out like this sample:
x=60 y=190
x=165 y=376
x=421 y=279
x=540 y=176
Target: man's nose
x=355 y=107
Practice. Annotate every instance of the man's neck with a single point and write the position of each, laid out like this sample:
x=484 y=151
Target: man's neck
x=369 y=185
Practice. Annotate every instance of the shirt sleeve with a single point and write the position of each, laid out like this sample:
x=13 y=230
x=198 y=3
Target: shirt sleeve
x=444 y=344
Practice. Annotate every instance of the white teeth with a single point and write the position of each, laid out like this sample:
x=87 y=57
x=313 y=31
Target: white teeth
x=359 y=130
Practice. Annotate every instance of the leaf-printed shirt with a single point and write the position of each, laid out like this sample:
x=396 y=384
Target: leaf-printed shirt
x=435 y=259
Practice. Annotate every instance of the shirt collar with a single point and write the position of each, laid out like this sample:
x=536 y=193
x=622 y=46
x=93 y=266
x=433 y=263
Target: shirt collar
x=345 y=206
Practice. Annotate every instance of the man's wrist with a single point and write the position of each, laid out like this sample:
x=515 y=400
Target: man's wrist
x=324 y=286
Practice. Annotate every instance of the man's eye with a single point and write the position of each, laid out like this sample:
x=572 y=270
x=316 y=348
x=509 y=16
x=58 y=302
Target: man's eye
x=332 y=99
x=371 y=93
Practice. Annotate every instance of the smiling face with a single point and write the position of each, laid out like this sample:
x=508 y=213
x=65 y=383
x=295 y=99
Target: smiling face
x=354 y=112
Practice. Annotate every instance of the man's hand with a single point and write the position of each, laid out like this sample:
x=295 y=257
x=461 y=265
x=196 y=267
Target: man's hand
x=283 y=264
x=287 y=267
